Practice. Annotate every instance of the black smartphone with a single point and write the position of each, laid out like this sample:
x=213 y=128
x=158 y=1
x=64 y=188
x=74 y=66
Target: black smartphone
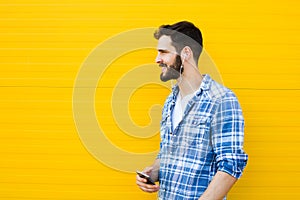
x=146 y=176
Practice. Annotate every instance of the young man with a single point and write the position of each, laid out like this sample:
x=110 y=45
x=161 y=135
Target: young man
x=202 y=128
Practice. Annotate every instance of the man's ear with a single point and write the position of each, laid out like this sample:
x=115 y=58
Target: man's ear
x=186 y=53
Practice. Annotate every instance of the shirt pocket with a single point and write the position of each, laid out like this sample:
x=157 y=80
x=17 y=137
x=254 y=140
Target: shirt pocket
x=196 y=131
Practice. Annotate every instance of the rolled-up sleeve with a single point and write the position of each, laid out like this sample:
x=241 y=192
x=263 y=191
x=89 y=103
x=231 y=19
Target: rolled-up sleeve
x=228 y=136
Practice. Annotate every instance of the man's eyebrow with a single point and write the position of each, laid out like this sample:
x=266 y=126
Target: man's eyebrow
x=163 y=50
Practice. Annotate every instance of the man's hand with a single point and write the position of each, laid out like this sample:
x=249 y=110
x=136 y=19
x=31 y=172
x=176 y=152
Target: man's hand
x=153 y=173
x=142 y=182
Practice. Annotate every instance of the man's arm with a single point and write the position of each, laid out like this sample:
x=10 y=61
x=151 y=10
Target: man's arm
x=227 y=141
x=219 y=186
x=152 y=171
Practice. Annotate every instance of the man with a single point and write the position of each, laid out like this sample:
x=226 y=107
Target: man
x=202 y=128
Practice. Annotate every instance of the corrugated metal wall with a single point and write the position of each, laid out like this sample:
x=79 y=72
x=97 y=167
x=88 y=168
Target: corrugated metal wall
x=43 y=44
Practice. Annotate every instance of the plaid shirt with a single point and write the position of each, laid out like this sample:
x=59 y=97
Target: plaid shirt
x=209 y=138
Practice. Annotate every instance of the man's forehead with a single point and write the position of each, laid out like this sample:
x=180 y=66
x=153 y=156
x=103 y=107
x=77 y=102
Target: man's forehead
x=165 y=43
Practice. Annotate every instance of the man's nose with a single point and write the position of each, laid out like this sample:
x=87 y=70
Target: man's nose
x=158 y=59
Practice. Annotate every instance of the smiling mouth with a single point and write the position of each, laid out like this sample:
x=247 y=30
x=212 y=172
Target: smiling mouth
x=163 y=67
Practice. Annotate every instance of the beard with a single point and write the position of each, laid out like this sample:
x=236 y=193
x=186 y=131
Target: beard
x=173 y=71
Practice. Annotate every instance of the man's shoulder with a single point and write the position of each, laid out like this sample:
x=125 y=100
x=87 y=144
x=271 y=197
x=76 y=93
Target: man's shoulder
x=219 y=91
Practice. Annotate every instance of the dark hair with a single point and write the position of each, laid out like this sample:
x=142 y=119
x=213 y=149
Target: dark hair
x=183 y=34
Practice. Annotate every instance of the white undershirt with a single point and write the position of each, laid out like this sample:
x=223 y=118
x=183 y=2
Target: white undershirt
x=179 y=108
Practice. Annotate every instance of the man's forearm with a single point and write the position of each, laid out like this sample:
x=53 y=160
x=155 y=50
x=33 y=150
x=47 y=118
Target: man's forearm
x=219 y=186
x=155 y=169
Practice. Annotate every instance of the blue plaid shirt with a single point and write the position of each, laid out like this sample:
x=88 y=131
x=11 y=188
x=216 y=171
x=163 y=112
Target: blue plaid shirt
x=209 y=138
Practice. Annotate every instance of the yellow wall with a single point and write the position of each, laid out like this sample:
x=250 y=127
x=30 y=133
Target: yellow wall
x=255 y=45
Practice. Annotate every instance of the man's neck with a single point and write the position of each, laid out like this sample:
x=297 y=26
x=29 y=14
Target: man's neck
x=188 y=83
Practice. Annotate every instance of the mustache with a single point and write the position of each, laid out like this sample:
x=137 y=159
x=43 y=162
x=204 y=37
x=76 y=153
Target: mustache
x=163 y=65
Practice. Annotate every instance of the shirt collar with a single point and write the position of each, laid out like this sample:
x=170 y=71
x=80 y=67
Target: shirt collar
x=205 y=84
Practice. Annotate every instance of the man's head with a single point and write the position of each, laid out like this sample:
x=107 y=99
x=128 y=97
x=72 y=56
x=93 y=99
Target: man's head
x=176 y=43
x=183 y=34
